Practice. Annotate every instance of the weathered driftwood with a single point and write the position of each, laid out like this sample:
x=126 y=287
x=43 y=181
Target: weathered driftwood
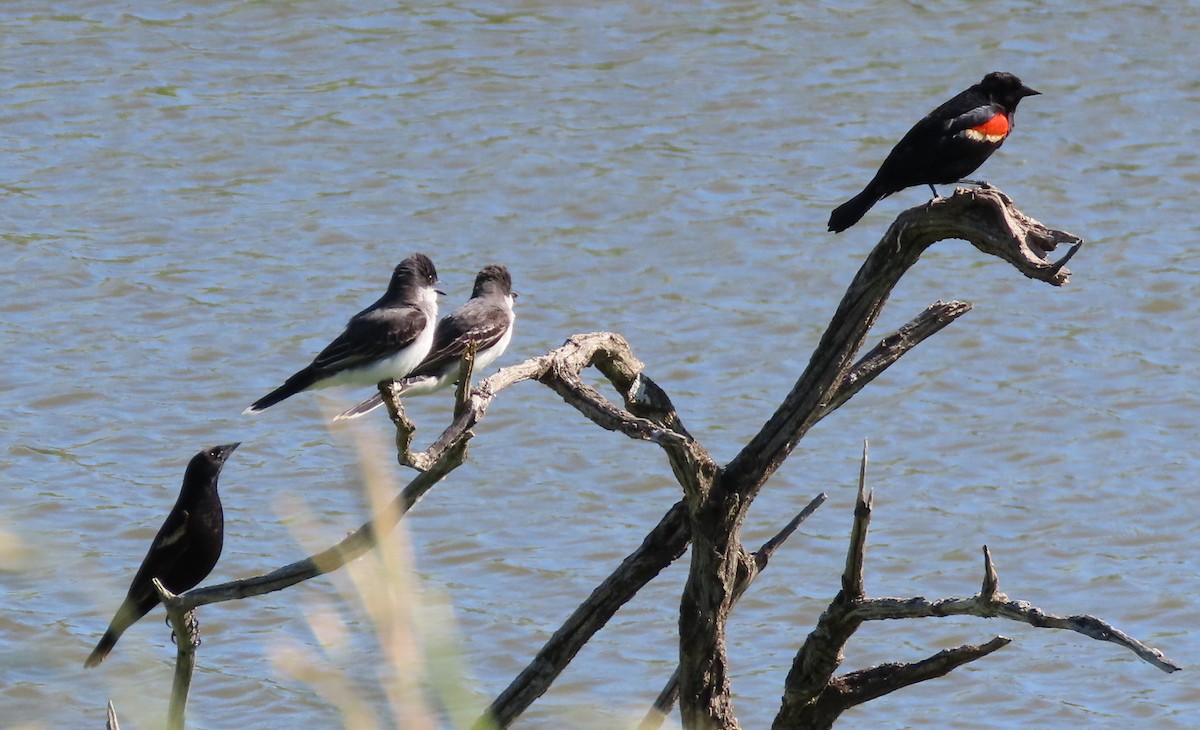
x=762 y=557
x=718 y=505
x=813 y=698
x=669 y=538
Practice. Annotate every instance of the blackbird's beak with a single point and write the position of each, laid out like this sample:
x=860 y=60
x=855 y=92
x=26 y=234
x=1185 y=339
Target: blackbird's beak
x=223 y=452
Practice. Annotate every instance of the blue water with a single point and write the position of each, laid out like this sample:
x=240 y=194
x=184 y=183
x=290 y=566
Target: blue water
x=195 y=197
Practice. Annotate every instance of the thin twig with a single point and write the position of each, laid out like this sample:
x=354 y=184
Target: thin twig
x=763 y=555
x=466 y=369
x=888 y=350
x=855 y=688
x=852 y=577
x=405 y=429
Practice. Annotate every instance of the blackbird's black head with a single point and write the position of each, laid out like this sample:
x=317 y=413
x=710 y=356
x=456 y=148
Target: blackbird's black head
x=208 y=463
x=1005 y=89
x=493 y=278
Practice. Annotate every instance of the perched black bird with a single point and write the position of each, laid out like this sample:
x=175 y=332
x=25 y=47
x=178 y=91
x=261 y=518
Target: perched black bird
x=486 y=319
x=386 y=340
x=944 y=147
x=183 y=552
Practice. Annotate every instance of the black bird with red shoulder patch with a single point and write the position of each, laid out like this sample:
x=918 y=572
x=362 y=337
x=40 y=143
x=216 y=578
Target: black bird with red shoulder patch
x=944 y=147
x=184 y=551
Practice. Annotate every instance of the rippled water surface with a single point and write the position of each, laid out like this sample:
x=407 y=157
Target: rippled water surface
x=196 y=195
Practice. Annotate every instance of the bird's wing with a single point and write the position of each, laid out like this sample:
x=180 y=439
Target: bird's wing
x=371 y=336
x=173 y=530
x=165 y=550
x=987 y=119
x=484 y=325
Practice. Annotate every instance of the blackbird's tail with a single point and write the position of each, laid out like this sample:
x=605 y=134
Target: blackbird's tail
x=107 y=642
x=852 y=211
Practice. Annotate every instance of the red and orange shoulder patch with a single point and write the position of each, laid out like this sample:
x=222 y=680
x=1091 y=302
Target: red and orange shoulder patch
x=993 y=130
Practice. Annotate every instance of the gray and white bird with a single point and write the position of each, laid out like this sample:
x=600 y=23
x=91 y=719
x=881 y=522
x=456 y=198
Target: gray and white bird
x=184 y=551
x=384 y=341
x=486 y=319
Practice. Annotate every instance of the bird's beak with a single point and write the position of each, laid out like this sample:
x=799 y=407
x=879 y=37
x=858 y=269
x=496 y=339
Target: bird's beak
x=515 y=295
x=225 y=450
x=1026 y=91
x=439 y=291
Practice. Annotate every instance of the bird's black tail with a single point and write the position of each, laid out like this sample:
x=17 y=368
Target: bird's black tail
x=107 y=642
x=298 y=382
x=850 y=212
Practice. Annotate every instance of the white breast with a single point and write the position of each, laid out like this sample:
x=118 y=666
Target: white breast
x=486 y=357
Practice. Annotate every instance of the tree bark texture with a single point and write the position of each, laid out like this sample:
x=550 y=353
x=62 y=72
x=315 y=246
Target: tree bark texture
x=986 y=218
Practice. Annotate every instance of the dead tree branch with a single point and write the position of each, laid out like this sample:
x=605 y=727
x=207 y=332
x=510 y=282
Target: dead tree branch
x=855 y=688
x=986 y=218
x=890 y=348
x=669 y=538
x=670 y=693
x=814 y=698
x=715 y=498
x=449 y=451
x=998 y=605
x=186 y=631
x=406 y=430
x=326 y=561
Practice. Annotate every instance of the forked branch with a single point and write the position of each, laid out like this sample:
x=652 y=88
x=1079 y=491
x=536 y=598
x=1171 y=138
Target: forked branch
x=985 y=217
x=814 y=698
x=669 y=538
x=761 y=558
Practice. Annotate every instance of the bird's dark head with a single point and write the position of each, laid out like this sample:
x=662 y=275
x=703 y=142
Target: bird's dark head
x=1005 y=89
x=493 y=278
x=416 y=271
x=208 y=463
